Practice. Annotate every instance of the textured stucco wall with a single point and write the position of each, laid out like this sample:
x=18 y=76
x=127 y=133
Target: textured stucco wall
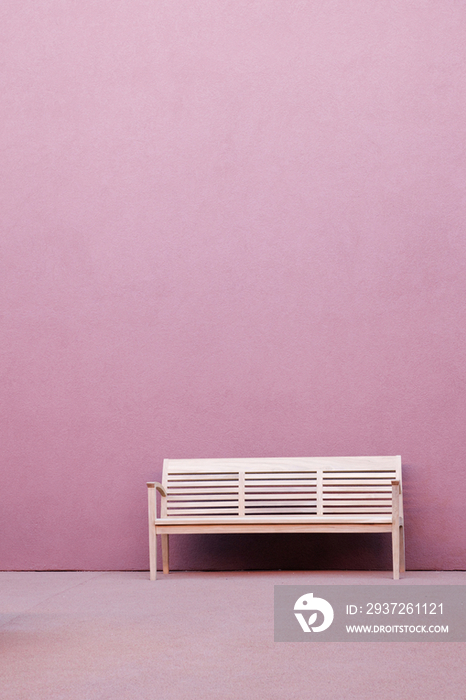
x=229 y=229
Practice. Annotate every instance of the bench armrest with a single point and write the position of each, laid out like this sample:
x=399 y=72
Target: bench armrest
x=157 y=485
x=151 y=486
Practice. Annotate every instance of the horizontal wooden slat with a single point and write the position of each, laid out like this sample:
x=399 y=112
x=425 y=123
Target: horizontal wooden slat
x=255 y=525
x=359 y=473
x=356 y=502
x=277 y=473
x=250 y=498
x=285 y=474
x=270 y=503
x=334 y=476
x=202 y=511
x=358 y=489
x=199 y=476
x=326 y=518
x=296 y=491
x=355 y=482
x=204 y=497
x=201 y=484
x=171 y=490
x=284 y=463
x=310 y=521
x=339 y=509
x=354 y=495
x=280 y=482
x=281 y=511
x=285 y=469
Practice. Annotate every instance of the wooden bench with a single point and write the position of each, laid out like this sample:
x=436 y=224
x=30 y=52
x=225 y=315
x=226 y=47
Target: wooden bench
x=309 y=494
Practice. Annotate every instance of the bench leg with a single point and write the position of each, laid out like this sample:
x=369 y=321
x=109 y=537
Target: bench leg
x=402 y=549
x=152 y=536
x=396 y=528
x=396 y=552
x=165 y=553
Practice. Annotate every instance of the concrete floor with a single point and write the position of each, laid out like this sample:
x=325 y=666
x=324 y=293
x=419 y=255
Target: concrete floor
x=102 y=635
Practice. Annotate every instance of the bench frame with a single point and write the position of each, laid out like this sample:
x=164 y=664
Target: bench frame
x=333 y=494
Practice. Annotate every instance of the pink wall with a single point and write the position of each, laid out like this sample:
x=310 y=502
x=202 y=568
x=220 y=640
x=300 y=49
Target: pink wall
x=229 y=229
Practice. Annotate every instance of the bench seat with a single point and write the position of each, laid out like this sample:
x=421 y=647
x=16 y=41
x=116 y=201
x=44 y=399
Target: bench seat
x=312 y=494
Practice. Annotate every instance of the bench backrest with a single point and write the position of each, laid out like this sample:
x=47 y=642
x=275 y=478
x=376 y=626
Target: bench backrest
x=279 y=486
